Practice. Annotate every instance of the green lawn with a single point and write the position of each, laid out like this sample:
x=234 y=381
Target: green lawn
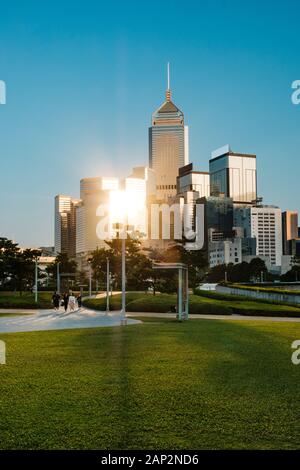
x=26 y=300
x=200 y=384
x=199 y=304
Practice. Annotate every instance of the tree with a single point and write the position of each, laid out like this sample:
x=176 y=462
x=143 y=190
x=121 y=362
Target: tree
x=256 y=267
x=98 y=260
x=23 y=269
x=138 y=265
x=17 y=267
x=217 y=273
x=8 y=251
x=196 y=260
x=294 y=273
x=66 y=266
x=238 y=272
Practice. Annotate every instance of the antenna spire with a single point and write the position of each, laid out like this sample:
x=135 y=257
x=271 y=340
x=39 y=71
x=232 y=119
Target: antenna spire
x=168 y=92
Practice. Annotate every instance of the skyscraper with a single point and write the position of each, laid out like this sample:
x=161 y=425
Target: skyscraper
x=289 y=229
x=233 y=174
x=218 y=217
x=93 y=192
x=168 y=145
x=65 y=224
x=263 y=223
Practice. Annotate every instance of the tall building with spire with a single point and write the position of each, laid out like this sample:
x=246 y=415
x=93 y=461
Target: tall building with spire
x=168 y=145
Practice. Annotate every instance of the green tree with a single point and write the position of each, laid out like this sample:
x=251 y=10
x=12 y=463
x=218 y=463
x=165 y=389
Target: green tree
x=17 y=267
x=294 y=273
x=196 y=260
x=138 y=265
x=66 y=266
x=257 y=267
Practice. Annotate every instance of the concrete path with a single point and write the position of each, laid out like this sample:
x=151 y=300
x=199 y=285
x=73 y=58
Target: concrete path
x=18 y=310
x=53 y=320
x=216 y=317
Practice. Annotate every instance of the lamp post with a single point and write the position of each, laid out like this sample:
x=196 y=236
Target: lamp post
x=57 y=278
x=107 y=284
x=90 y=280
x=123 y=268
x=36 y=281
x=123 y=310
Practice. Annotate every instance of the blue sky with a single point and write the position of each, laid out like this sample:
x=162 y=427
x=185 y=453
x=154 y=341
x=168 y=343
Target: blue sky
x=83 y=78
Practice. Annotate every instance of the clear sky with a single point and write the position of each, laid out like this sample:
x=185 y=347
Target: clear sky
x=83 y=78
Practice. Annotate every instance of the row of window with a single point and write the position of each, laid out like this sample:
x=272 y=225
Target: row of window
x=166 y=186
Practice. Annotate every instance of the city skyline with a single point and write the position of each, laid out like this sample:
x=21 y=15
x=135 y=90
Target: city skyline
x=82 y=108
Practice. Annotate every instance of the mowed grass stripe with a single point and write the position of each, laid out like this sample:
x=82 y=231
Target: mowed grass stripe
x=162 y=384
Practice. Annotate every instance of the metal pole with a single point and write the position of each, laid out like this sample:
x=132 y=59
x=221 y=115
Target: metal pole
x=187 y=294
x=123 y=311
x=57 y=279
x=107 y=284
x=179 y=294
x=90 y=282
x=36 y=281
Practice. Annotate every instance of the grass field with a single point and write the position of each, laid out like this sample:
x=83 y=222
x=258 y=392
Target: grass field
x=201 y=384
x=26 y=300
x=199 y=304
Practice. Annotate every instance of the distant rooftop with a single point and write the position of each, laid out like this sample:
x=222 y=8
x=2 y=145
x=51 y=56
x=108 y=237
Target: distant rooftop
x=226 y=150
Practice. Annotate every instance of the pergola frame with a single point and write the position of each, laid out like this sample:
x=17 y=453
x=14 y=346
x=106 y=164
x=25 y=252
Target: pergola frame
x=183 y=287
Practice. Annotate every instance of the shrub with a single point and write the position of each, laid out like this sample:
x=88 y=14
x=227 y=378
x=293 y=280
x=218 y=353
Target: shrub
x=209 y=309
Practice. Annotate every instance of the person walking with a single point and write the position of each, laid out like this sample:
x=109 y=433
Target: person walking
x=72 y=302
x=66 y=301
x=79 y=301
x=56 y=300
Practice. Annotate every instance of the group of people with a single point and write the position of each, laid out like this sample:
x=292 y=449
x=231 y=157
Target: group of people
x=67 y=300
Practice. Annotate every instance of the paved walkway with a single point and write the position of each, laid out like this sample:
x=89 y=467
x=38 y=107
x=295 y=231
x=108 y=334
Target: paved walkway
x=41 y=320
x=53 y=320
x=216 y=317
x=18 y=310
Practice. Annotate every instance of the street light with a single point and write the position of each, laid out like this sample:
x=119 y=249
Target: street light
x=123 y=232
x=57 y=278
x=107 y=284
x=36 y=281
x=90 y=279
x=124 y=205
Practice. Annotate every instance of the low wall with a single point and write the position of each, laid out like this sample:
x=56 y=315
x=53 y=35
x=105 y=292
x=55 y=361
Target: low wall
x=270 y=296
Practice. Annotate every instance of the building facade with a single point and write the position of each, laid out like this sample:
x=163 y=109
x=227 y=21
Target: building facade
x=289 y=229
x=218 y=218
x=225 y=252
x=65 y=225
x=264 y=224
x=233 y=174
x=168 y=146
x=94 y=193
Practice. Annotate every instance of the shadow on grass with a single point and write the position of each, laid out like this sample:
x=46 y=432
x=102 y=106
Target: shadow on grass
x=250 y=383
x=194 y=385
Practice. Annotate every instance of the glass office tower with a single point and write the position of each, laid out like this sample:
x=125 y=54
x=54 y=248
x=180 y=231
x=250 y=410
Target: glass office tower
x=168 y=146
x=233 y=174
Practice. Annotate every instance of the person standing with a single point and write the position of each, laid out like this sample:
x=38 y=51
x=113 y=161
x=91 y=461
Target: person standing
x=66 y=301
x=72 y=302
x=56 y=300
x=79 y=301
